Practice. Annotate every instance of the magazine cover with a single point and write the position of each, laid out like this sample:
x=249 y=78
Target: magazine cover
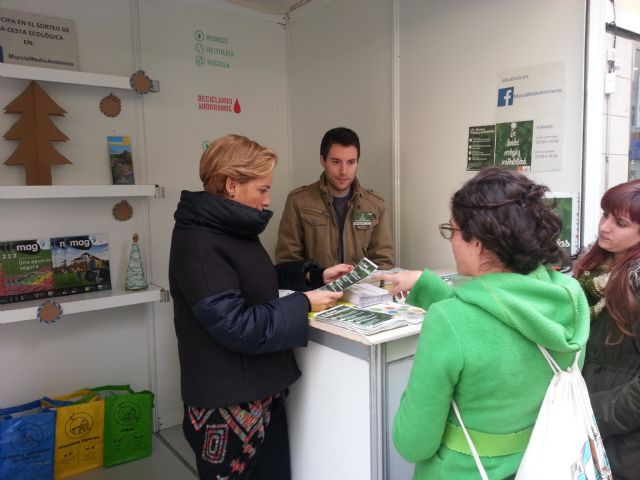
x=80 y=263
x=121 y=160
x=26 y=271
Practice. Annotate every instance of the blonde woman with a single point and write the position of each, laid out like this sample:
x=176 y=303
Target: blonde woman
x=235 y=336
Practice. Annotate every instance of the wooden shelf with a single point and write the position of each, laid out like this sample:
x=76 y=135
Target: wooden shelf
x=26 y=72
x=76 y=191
x=84 y=302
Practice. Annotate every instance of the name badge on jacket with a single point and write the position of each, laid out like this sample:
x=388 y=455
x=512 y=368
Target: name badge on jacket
x=363 y=219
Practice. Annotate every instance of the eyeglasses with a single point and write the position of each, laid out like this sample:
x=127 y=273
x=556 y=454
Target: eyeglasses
x=446 y=230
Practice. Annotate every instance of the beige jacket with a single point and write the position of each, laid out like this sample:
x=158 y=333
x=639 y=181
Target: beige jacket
x=308 y=228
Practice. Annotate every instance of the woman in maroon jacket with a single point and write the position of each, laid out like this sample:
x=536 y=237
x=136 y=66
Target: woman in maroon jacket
x=610 y=276
x=235 y=336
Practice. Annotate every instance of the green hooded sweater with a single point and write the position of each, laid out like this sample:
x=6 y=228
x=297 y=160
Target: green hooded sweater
x=478 y=347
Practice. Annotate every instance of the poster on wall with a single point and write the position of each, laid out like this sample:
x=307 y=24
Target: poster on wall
x=481 y=147
x=513 y=145
x=36 y=40
x=212 y=50
x=567 y=206
x=536 y=94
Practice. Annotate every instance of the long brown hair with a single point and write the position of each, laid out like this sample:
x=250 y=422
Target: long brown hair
x=621 y=200
x=506 y=211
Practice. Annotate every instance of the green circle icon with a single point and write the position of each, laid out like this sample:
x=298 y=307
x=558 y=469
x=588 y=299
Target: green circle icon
x=199 y=35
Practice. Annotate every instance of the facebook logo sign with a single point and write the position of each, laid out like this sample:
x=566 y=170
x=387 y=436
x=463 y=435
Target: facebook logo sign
x=505 y=96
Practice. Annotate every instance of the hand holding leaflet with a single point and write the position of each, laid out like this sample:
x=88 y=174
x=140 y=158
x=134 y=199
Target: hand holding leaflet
x=401 y=282
x=364 y=268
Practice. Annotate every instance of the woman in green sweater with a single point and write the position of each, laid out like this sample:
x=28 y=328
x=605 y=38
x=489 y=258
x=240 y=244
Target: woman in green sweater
x=478 y=340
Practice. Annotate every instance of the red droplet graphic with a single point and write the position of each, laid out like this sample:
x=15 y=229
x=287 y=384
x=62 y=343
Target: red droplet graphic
x=236 y=106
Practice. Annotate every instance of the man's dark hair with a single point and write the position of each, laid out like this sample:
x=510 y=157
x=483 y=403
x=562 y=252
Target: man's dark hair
x=508 y=214
x=341 y=136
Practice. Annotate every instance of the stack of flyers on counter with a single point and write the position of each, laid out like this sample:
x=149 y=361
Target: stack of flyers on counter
x=25 y=270
x=365 y=294
x=400 y=311
x=81 y=263
x=365 y=322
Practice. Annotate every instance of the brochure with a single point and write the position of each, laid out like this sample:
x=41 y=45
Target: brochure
x=364 y=268
x=81 y=263
x=400 y=311
x=121 y=160
x=25 y=270
x=359 y=320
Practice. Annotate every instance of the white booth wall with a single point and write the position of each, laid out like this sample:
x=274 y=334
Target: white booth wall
x=340 y=63
x=104 y=346
x=176 y=128
x=136 y=345
x=450 y=54
x=409 y=76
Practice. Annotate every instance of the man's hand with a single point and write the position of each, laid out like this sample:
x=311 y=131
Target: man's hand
x=333 y=273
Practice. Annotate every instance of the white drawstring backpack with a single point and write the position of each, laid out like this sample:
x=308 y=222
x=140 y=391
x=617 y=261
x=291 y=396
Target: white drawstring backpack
x=565 y=443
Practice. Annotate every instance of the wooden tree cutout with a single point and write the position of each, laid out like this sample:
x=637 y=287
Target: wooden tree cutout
x=35 y=131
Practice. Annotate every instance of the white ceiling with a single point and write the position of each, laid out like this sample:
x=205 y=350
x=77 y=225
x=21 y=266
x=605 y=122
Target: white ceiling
x=271 y=6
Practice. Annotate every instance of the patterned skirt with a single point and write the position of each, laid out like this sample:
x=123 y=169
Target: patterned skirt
x=229 y=442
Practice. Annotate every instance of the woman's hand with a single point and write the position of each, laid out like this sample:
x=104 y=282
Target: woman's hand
x=322 y=299
x=401 y=282
x=333 y=273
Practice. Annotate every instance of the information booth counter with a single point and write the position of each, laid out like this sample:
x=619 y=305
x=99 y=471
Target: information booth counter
x=341 y=409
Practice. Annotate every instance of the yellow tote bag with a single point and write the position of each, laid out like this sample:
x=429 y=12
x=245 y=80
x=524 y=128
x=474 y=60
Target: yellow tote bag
x=79 y=432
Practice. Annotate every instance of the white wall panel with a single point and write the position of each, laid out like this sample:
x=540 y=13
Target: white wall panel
x=341 y=58
x=175 y=128
x=449 y=58
x=110 y=346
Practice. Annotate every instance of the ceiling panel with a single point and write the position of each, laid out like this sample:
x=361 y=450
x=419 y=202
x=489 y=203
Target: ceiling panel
x=271 y=6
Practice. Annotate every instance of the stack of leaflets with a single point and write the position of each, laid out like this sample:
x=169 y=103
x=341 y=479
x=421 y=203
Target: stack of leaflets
x=400 y=311
x=359 y=320
x=365 y=294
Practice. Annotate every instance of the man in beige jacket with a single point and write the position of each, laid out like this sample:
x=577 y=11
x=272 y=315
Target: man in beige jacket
x=336 y=220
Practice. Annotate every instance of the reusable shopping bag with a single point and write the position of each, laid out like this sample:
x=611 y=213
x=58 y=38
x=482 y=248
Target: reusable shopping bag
x=565 y=443
x=128 y=423
x=27 y=436
x=79 y=432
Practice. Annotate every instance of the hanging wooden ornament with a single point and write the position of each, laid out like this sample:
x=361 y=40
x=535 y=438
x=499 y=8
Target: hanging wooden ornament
x=111 y=105
x=122 y=211
x=140 y=82
x=49 y=311
x=35 y=131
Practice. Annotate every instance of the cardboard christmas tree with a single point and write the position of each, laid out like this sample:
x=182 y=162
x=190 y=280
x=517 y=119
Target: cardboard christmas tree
x=35 y=131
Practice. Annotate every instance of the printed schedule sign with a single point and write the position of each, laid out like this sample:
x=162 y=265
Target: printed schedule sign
x=36 y=40
x=532 y=98
x=481 y=147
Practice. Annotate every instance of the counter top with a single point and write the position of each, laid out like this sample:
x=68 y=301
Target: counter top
x=375 y=339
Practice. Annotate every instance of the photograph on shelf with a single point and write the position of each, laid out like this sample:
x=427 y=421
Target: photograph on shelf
x=121 y=160
x=81 y=264
x=25 y=270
